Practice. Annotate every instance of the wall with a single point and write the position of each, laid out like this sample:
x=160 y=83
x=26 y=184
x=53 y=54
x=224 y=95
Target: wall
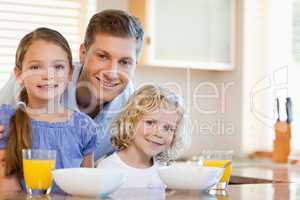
x=269 y=71
x=112 y=4
x=254 y=72
x=220 y=130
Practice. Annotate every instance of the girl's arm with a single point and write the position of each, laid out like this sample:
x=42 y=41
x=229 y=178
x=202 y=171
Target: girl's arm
x=88 y=161
x=7 y=184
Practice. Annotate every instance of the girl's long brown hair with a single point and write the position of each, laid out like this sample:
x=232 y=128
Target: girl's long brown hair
x=20 y=132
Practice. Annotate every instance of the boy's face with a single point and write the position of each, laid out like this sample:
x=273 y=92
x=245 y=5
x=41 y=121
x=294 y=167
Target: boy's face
x=155 y=132
x=109 y=64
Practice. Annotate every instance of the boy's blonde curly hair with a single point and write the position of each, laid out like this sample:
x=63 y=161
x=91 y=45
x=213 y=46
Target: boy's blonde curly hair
x=148 y=99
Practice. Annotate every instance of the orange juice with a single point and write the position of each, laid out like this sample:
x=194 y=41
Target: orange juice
x=220 y=163
x=37 y=173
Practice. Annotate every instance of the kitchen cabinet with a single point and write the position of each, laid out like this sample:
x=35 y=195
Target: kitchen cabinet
x=198 y=34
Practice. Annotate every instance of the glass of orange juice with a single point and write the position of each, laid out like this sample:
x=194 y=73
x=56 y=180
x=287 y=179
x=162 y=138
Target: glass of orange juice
x=37 y=167
x=218 y=158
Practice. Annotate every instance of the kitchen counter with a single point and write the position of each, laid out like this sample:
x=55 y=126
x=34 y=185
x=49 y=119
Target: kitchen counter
x=264 y=171
x=251 y=180
x=279 y=191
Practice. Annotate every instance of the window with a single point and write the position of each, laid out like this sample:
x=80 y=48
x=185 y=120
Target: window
x=18 y=17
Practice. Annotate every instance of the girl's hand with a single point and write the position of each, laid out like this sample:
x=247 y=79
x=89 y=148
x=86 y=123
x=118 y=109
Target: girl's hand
x=2 y=162
x=1 y=131
x=88 y=161
x=9 y=184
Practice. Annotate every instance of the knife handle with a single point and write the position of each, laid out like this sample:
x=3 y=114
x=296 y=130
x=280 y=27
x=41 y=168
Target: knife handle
x=278 y=109
x=289 y=110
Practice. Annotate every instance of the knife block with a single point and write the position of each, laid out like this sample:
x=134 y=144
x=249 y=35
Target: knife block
x=281 y=143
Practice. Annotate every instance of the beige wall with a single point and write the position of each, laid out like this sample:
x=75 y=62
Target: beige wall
x=221 y=136
x=112 y=4
x=225 y=125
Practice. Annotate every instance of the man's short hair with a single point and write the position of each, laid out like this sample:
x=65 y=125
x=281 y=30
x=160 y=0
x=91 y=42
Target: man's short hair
x=116 y=23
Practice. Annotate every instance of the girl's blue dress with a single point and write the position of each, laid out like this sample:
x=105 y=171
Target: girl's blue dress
x=72 y=139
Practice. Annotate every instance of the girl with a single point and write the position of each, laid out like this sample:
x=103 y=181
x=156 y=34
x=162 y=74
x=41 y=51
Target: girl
x=147 y=132
x=43 y=69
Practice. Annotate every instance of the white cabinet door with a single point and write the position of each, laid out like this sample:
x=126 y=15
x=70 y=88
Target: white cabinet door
x=192 y=33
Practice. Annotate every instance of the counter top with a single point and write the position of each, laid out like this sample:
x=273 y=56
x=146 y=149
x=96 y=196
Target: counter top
x=279 y=191
x=266 y=171
x=268 y=181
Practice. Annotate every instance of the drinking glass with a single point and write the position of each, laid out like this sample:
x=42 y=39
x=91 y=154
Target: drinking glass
x=222 y=159
x=37 y=167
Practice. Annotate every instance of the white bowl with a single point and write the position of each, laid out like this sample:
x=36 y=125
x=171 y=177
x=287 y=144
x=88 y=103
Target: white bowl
x=188 y=176
x=88 y=181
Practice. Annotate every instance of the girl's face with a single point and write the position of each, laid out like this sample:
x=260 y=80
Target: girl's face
x=45 y=71
x=155 y=132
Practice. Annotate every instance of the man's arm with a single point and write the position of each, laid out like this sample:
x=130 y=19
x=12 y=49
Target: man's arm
x=8 y=94
x=9 y=91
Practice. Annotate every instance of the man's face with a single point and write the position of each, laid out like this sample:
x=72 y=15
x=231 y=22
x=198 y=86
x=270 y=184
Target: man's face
x=109 y=64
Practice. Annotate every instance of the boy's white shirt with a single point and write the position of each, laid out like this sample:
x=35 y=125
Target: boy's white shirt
x=135 y=178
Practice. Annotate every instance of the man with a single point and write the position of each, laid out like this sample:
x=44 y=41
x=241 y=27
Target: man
x=101 y=84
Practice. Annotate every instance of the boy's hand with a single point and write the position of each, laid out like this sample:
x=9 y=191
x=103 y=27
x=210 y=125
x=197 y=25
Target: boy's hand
x=1 y=131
